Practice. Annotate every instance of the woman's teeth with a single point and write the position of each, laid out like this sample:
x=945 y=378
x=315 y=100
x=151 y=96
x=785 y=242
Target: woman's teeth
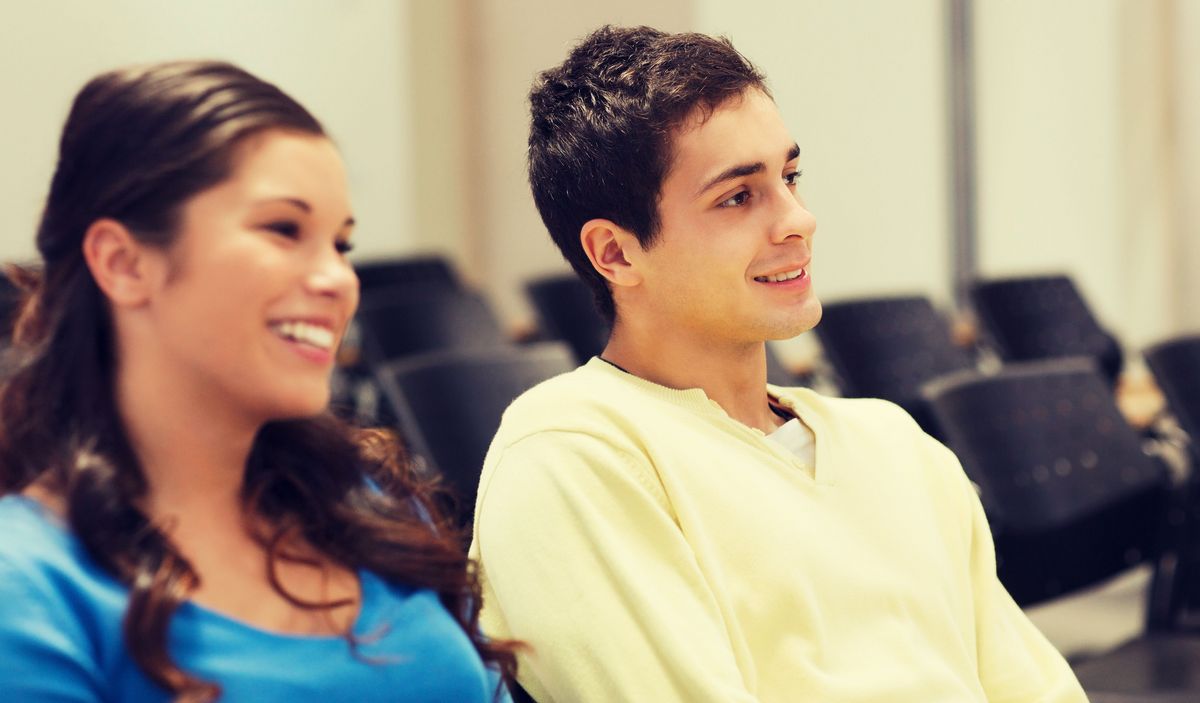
x=312 y=335
x=780 y=277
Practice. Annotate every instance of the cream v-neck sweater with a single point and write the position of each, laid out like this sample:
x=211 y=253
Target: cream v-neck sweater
x=648 y=547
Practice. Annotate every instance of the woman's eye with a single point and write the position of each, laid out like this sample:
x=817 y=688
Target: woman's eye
x=287 y=229
x=736 y=200
x=792 y=178
x=344 y=246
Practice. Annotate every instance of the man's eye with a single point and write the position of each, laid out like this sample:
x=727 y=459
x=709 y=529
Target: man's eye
x=287 y=229
x=737 y=200
x=344 y=246
x=792 y=178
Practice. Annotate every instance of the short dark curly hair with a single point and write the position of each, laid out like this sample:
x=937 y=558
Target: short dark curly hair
x=600 y=135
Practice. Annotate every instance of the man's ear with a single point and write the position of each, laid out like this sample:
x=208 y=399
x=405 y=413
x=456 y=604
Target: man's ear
x=608 y=246
x=118 y=262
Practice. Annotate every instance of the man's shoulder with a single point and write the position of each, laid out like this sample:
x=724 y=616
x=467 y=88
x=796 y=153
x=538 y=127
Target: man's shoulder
x=582 y=400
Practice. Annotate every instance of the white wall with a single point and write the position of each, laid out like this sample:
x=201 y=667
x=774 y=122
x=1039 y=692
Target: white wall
x=1089 y=152
x=1048 y=128
x=862 y=85
x=1076 y=140
x=346 y=61
x=1183 y=39
x=516 y=40
x=1074 y=110
x=445 y=128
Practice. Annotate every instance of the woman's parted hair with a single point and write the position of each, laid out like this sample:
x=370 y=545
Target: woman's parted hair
x=602 y=124
x=137 y=144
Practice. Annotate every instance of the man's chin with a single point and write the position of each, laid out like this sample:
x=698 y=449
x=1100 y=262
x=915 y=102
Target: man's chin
x=798 y=324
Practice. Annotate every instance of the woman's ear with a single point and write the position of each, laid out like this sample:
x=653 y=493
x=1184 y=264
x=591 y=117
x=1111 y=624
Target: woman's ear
x=608 y=246
x=118 y=262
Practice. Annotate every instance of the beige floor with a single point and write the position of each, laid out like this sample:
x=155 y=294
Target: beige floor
x=1097 y=619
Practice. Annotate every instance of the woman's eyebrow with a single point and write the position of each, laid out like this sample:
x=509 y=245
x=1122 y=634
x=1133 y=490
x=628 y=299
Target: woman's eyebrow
x=302 y=204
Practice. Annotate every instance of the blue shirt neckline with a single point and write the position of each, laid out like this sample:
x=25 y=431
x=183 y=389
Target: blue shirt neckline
x=369 y=587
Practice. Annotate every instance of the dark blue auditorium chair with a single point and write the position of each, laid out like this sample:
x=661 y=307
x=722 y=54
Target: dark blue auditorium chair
x=1043 y=317
x=888 y=348
x=418 y=271
x=447 y=404
x=1074 y=501
x=416 y=322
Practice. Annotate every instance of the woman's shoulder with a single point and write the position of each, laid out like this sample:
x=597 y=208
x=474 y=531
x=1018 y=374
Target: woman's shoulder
x=60 y=614
x=42 y=561
x=34 y=536
x=38 y=545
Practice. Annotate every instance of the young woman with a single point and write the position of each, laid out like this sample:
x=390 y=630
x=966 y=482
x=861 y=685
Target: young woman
x=182 y=519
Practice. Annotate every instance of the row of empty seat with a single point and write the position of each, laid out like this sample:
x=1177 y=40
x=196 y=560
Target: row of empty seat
x=1072 y=497
x=1073 y=500
x=890 y=347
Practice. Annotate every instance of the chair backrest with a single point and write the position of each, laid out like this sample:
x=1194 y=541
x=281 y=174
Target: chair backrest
x=426 y=271
x=888 y=347
x=448 y=404
x=519 y=694
x=392 y=328
x=1175 y=364
x=10 y=299
x=1176 y=367
x=1042 y=317
x=567 y=311
x=1072 y=496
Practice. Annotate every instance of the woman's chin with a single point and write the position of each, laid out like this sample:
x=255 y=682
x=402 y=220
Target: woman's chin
x=301 y=407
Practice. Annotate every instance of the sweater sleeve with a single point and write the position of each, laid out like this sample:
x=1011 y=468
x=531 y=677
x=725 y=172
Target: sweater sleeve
x=39 y=659
x=584 y=561
x=1017 y=664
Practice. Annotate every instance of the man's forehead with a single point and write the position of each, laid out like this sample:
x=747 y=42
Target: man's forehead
x=702 y=113
x=746 y=129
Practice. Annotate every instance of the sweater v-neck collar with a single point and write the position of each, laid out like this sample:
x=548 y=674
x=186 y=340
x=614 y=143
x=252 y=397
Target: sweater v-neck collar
x=697 y=400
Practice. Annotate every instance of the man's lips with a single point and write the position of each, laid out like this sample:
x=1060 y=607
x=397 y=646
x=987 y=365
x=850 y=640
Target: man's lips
x=783 y=275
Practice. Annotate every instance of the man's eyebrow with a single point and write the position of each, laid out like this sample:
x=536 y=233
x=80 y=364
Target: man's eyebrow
x=303 y=205
x=744 y=170
x=731 y=173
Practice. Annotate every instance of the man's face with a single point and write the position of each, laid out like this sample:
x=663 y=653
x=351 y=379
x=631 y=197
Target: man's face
x=730 y=263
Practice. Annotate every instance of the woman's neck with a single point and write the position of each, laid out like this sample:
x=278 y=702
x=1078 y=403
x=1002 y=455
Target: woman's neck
x=192 y=452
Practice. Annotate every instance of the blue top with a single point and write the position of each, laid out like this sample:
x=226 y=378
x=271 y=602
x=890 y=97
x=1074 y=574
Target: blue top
x=60 y=636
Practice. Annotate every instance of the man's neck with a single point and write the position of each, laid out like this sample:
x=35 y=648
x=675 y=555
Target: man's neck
x=732 y=375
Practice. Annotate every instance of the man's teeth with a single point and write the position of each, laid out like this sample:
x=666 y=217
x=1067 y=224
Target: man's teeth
x=780 y=277
x=313 y=335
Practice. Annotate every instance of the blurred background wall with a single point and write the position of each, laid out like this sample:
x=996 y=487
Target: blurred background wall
x=1088 y=126
x=346 y=61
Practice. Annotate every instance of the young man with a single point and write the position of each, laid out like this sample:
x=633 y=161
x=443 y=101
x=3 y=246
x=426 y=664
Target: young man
x=660 y=525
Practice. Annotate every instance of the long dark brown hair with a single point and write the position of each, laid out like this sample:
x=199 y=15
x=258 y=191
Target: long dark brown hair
x=137 y=144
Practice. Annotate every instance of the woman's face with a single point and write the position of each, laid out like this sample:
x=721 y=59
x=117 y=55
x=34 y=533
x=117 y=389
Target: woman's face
x=257 y=291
